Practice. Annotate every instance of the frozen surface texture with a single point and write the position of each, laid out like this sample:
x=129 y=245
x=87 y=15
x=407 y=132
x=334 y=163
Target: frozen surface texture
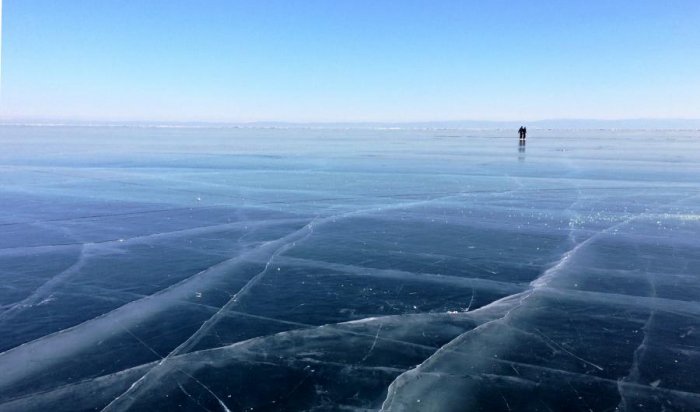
x=318 y=270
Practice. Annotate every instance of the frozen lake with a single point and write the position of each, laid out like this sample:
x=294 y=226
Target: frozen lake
x=287 y=270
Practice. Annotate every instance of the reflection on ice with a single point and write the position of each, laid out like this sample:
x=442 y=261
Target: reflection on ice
x=281 y=270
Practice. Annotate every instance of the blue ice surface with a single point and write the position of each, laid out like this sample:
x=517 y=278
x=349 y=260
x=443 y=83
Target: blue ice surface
x=240 y=269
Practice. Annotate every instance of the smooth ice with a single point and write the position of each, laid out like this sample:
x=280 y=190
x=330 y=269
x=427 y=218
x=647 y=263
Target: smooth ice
x=241 y=269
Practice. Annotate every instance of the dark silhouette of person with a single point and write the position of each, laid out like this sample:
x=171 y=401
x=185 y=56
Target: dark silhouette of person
x=522 y=132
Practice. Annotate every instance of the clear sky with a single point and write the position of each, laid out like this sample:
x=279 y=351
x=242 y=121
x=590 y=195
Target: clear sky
x=350 y=60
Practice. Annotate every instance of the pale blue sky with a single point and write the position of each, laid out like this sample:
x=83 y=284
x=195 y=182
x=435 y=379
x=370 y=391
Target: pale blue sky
x=350 y=60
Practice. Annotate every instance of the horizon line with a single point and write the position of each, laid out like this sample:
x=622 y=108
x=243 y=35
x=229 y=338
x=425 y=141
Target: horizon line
x=319 y=126
x=79 y=121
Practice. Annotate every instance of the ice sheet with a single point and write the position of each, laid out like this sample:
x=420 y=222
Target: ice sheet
x=311 y=269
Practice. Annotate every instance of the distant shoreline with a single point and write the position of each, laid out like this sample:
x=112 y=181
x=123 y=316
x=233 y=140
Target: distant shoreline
x=574 y=124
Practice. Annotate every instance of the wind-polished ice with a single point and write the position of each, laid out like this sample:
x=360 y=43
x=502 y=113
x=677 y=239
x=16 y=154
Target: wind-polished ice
x=399 y=270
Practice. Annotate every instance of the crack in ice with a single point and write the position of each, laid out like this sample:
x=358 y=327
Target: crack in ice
x=542 y=282
x=374 y=343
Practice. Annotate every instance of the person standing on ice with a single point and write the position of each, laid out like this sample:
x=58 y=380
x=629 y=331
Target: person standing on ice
x=521 y=133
